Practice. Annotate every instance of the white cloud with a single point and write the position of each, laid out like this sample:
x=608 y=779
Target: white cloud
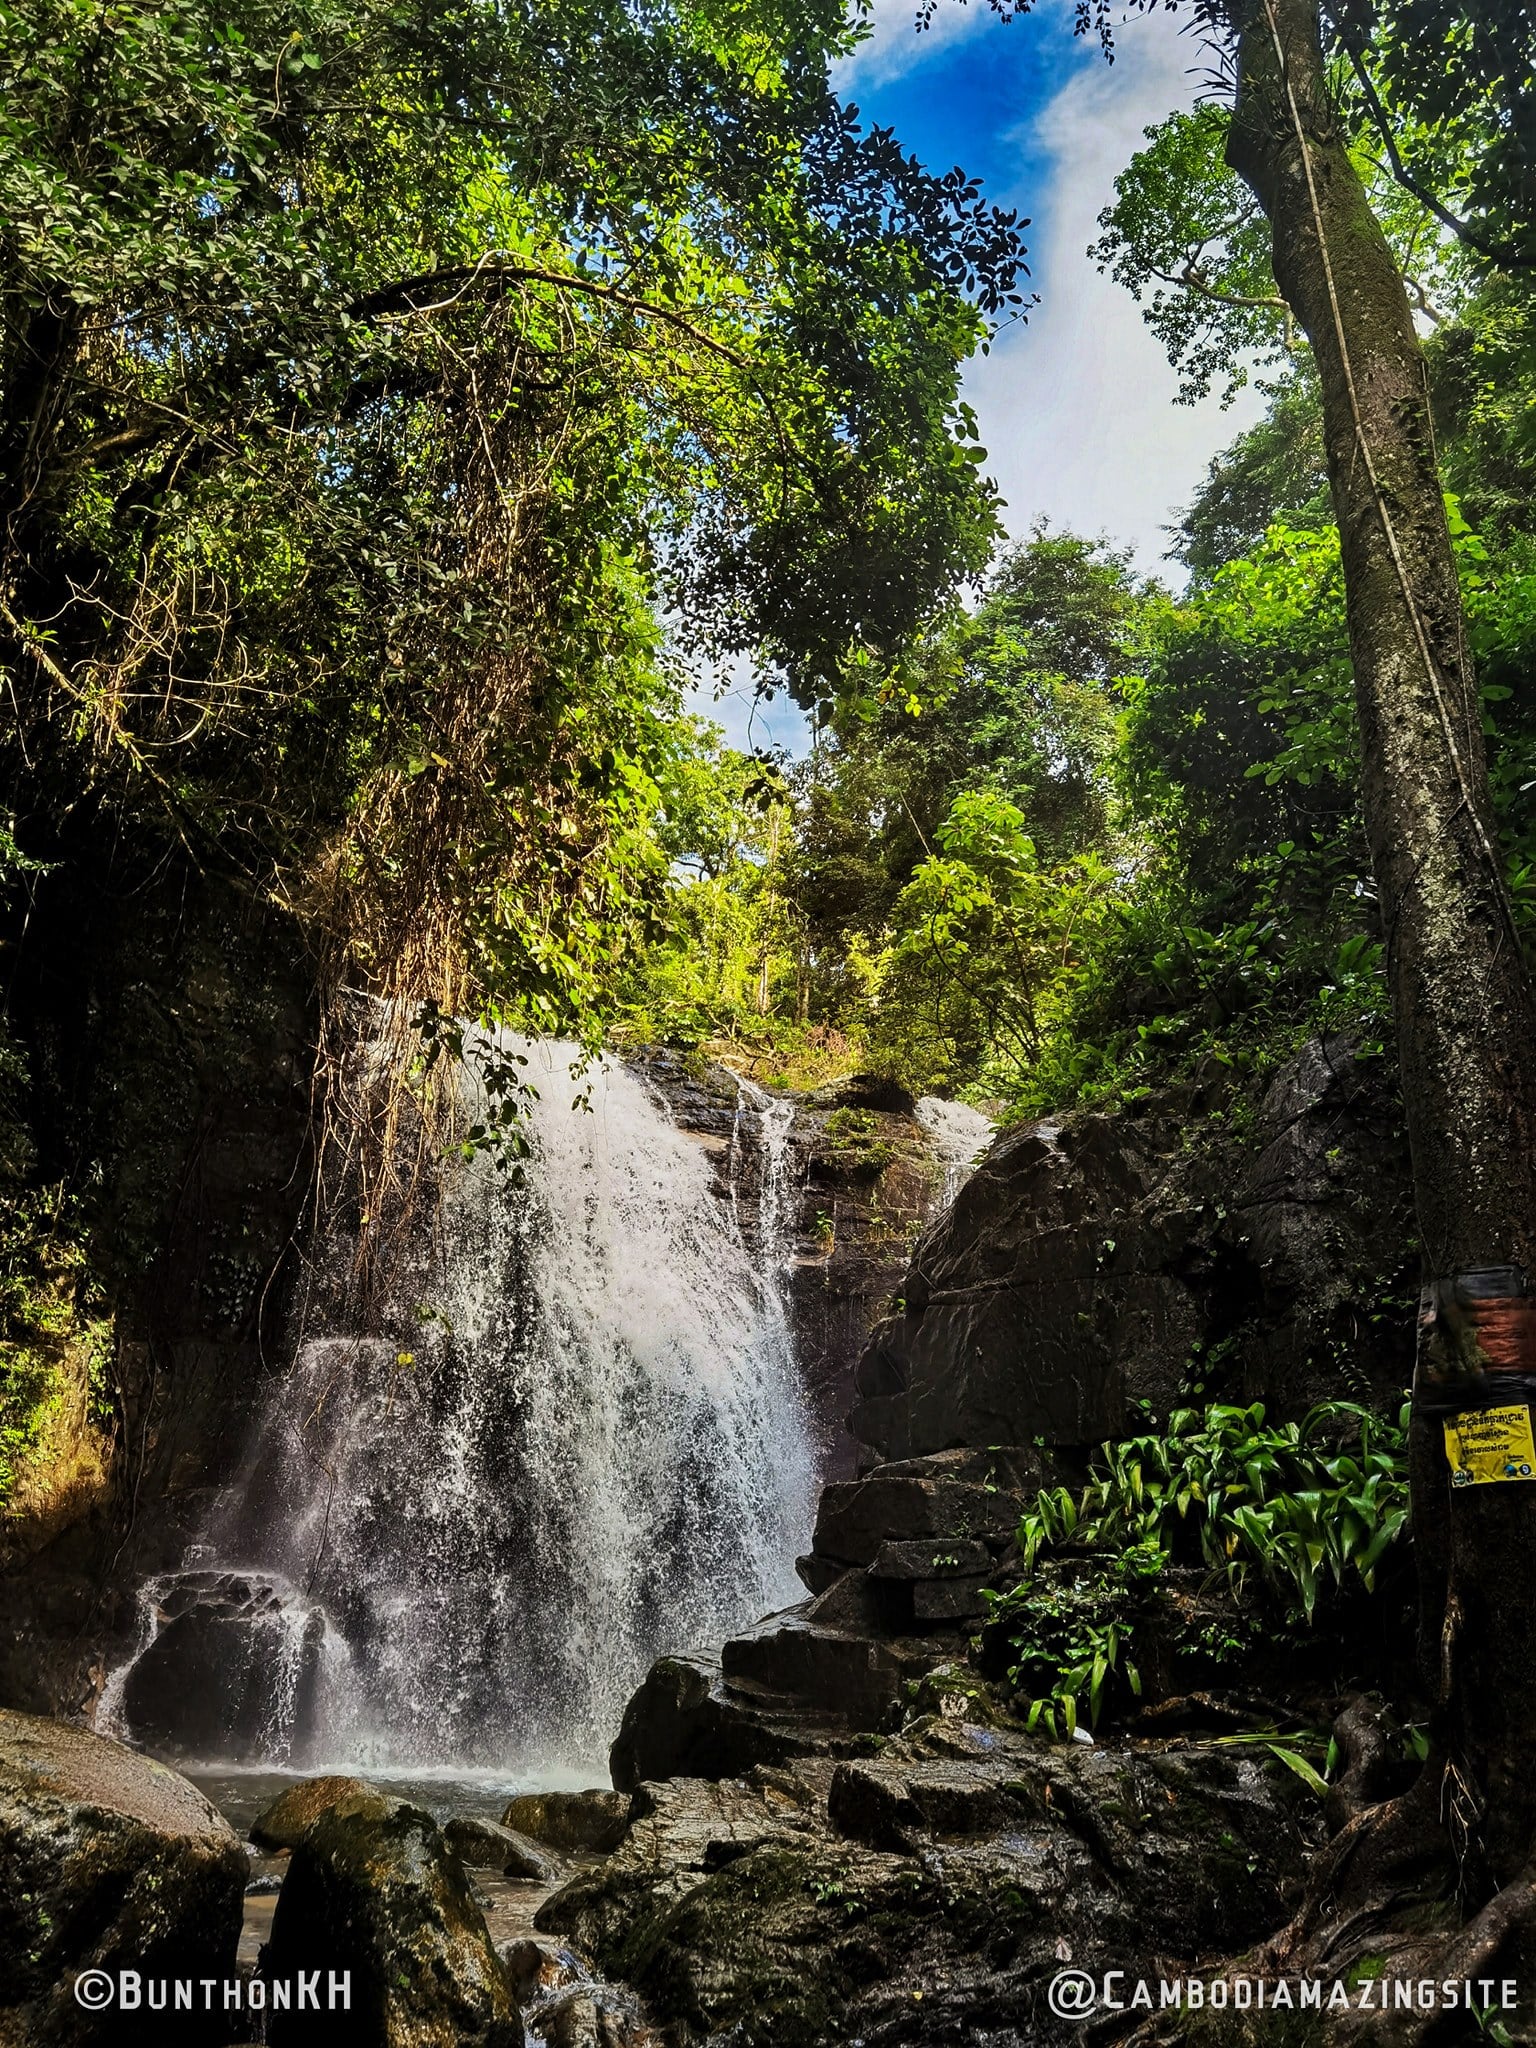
x=895 y=47
x=1077 y=408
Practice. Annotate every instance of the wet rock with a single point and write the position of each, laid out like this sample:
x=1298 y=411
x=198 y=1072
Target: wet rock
x=923 y=1896
x=594 y=1820
x=109 y=1862
x=483 y=1845
x=280 y=1825
x=688 y=1720
x=948 y=1602
x=589 y=2016
x=372 y=1890
x=805 y=1682
x=1085 y=1262
x=537 y=1967
x=227 y=1642
x=891 y=1805
x=846 y=1677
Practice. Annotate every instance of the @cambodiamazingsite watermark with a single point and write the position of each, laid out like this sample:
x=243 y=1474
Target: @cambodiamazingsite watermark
x=1081 y=1995
x=133 y=1991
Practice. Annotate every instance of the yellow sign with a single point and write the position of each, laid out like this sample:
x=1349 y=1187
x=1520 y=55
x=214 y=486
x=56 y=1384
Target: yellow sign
x=1490 y=1444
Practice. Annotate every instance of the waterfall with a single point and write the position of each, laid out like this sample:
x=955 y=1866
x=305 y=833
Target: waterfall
x=773 y=1118
x=573 y=1439
x=960 y=1134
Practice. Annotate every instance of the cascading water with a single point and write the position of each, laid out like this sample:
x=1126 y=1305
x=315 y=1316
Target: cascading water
x=589 y=1448
x=960 y=1134
x=773 y=1118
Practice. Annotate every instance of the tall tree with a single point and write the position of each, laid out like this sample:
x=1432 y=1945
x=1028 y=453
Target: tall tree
x=1462 y=997
x=1463 y=1003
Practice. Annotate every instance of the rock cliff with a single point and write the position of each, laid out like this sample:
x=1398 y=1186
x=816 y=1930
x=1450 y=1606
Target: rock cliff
x=1194 y=1247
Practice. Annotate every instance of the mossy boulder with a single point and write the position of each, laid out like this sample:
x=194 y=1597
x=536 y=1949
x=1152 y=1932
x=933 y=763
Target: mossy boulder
x=108 y=1862
x=595 y=1820
x=280 y=1825
x=483 y=1845
x=373 y=1890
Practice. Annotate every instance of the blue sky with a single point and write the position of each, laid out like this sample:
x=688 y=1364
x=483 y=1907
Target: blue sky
x=1076 y=406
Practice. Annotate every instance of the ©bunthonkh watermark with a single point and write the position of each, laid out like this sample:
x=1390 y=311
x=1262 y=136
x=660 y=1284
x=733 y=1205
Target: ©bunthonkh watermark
x=1078 y=1994
x=132 y=1991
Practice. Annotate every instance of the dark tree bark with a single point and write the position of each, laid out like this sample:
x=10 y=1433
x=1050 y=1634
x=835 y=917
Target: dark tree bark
x=1462 y=1001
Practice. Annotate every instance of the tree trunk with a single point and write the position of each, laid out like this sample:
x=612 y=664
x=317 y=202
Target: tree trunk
x=1465 y=1018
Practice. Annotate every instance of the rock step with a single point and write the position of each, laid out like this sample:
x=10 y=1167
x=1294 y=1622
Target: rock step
x=850 y=1679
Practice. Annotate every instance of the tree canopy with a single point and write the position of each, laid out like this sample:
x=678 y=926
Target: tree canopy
x=382 y=388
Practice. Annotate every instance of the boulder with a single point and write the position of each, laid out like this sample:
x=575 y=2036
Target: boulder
x=1154 y=1254
x=232 y=1654
x=537 y=1968
x=590 y=2016
x=687 y=1720
x=372 y=1891
x=280 y=1825
x=593 y=1820
x=108 y=1862
x=483 y=1845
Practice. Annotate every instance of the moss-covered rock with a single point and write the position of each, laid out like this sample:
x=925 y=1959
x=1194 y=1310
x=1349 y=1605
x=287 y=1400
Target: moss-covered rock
x=108 y=1862
x=596 y=1820
x=930 y=1893
x=282 y=1824
x=373 y=1891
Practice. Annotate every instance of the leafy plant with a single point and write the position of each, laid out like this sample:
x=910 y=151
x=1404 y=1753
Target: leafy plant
x=1287 y=1502
x=1071 y=1636
x=1289 y=1512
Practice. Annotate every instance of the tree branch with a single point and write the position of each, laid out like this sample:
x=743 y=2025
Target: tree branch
x=1503 y=254
x=400 y=297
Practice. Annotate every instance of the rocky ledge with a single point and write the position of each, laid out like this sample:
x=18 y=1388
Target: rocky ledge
x=927 y=1890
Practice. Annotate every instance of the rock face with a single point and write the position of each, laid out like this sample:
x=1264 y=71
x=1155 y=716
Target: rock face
x=108 y=1862
x=1105 y=1260
x=170 y=1032
x=927 y=1894
x=899 y=1561
x=372 y=1890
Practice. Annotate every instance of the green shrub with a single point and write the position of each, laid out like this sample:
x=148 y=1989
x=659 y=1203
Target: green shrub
x=1290 y=1513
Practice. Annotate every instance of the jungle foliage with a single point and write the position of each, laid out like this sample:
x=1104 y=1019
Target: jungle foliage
x=373 y=379
x=1096 y=836
x=1280 y=1519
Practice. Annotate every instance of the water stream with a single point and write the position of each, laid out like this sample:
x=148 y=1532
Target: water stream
x=571 y=1440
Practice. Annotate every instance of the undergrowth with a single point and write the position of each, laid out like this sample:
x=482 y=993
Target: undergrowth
x=1283 y=1517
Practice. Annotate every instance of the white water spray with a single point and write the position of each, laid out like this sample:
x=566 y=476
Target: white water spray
x=960 y=1135
x=591 y=1448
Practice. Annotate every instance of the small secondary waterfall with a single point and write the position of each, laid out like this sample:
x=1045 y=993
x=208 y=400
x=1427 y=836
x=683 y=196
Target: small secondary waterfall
x=463 y=1544
x=960 y=1134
